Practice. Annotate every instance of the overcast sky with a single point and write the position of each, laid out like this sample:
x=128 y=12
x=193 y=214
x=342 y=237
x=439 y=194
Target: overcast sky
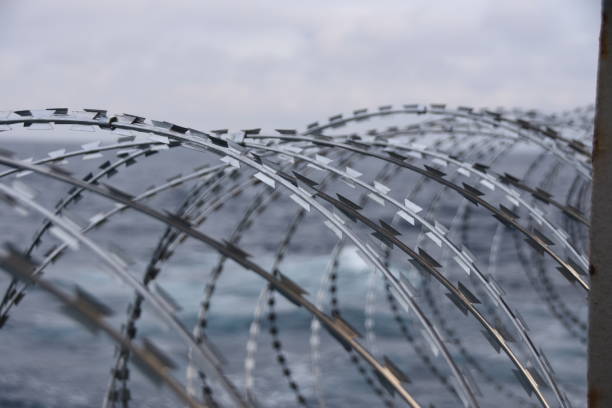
x=244 y=64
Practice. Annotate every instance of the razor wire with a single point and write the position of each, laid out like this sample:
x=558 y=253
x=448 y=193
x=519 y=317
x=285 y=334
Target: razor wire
x=363 y=189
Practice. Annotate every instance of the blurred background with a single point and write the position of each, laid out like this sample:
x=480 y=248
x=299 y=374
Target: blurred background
x=244 y=64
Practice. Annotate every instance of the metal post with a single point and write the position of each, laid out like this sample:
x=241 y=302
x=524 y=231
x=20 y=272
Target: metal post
x=600 y=299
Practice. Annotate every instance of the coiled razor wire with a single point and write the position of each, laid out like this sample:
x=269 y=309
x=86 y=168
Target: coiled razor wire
x=363 y=191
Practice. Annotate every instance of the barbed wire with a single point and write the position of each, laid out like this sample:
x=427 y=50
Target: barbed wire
x=405 y=199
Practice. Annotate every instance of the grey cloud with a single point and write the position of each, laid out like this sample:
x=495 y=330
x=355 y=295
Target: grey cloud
x=270 y=63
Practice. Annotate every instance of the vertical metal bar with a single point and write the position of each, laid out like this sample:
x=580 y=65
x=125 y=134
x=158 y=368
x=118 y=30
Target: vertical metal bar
x=600 y=299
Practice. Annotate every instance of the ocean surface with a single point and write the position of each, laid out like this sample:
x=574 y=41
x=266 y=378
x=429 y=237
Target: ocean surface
x=47 y=360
